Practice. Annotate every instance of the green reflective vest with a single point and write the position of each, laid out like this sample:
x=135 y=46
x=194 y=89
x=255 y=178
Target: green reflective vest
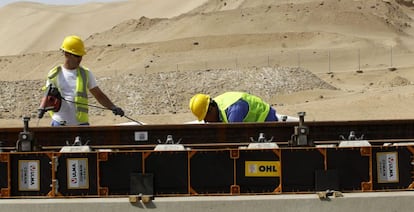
x=81 y=95
x=258 y=109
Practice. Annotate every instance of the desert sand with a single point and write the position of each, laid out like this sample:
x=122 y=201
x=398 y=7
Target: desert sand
x=333 y=59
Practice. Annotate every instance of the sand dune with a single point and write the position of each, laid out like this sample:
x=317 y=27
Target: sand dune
x=33 y=27
x=362 y=48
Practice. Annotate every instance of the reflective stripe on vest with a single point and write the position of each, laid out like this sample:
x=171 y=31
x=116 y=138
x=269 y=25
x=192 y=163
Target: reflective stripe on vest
x=258 y=109
x=81 y=95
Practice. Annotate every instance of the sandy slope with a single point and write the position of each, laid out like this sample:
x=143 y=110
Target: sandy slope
x=33 y=27
x=349 y=44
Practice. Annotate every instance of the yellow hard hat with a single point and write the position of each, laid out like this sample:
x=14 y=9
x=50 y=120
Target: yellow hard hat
x=74 y=45
x=199 y=105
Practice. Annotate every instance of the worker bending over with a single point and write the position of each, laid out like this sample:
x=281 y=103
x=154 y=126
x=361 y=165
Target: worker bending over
x=231 y=107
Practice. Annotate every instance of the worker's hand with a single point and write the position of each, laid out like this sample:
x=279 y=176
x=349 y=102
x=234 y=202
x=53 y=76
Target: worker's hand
x=118 y=111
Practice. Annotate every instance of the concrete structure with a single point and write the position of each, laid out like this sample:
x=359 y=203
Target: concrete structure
x=355 y=202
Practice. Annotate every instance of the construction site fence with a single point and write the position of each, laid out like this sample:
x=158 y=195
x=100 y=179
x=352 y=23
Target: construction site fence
x=192 y=172
x=316 y=60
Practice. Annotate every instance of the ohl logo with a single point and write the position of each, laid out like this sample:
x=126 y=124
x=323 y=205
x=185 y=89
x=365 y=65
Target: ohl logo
x=262 y=168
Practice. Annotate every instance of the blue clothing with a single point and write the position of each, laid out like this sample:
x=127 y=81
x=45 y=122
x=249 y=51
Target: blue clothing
x=58 y=124
x=238 y=111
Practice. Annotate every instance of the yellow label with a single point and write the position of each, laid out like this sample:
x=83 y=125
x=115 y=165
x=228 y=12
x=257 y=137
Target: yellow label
x=262 y=168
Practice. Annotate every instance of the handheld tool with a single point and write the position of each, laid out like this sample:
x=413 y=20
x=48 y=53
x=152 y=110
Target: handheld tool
x=51 y=101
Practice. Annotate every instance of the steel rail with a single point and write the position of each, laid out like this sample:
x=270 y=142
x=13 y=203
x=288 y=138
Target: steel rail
x=377 y=131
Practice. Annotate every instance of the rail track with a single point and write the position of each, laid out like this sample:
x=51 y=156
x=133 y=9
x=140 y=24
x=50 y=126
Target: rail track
x=376 y=131
x=207 y=159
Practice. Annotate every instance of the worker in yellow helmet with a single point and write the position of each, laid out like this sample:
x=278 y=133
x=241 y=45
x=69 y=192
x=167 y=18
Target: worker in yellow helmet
x=73 y=81
x=231 y=107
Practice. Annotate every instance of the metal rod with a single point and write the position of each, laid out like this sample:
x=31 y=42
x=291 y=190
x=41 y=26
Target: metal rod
x=103 y=108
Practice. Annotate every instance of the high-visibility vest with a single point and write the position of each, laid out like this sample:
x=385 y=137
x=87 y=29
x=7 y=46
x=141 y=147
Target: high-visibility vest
x=258 y=109
x=81 y=95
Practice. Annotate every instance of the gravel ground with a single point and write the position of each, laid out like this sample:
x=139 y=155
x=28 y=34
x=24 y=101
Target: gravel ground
x=168 y=92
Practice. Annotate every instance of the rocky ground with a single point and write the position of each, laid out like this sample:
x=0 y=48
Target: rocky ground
x=168 y=92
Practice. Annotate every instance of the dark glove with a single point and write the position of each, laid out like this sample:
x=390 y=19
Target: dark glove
x=118 y=111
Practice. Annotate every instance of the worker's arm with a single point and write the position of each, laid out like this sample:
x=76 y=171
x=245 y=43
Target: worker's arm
x=102 y=98
x=105 y=101
x=238 y=111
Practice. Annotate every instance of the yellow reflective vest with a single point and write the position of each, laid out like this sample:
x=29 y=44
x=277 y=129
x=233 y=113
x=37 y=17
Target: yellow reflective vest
x=258 y=109
x=81 y=95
